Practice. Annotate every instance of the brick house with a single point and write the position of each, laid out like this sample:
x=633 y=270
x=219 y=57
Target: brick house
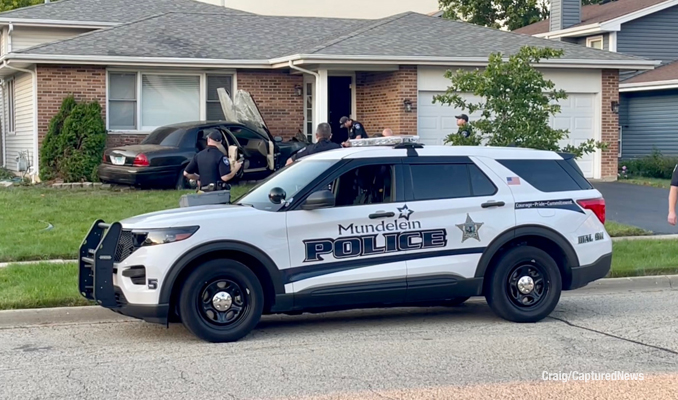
x=166 y=64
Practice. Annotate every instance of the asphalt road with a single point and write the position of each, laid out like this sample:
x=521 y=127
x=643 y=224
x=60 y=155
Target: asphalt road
x=432 y=353
x=642 y=206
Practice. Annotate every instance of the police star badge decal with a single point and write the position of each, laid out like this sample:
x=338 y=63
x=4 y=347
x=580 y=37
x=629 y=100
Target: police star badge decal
x=405 y=212
x=470 y=229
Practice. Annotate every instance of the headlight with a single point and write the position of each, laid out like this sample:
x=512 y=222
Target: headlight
x=167 y=235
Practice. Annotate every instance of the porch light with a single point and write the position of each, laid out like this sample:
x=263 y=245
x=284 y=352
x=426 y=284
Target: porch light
x=298 y=90
x=615 y=107
x=408 y=105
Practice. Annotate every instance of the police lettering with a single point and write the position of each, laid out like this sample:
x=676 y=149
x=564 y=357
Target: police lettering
x=358 y=246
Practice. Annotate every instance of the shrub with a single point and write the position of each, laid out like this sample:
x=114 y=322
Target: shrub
x=74 y=143
x=652 y=166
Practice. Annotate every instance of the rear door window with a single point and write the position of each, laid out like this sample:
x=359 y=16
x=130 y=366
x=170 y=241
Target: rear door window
x=548 y=175
x=449 y=181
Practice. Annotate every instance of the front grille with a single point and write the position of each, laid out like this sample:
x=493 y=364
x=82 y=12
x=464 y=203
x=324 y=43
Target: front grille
x=127 y=245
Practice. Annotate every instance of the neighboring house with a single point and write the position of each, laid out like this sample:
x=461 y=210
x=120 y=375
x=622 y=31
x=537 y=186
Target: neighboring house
x=362 y=9
x=645 y=28
x=165 y=67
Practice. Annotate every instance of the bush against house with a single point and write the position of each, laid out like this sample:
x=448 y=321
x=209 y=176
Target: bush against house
x=74 y=143
x=516 y=106
x=655 y=165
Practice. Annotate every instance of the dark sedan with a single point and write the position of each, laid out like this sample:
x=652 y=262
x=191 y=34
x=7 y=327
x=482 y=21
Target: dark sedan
x=160 y=159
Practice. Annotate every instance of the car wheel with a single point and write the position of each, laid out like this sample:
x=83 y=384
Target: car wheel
x=221 y=301
x=457 y=301
x=181 y=183
x=525 y=286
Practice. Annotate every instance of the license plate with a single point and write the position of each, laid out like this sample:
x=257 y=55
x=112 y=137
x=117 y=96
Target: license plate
x=118 y=160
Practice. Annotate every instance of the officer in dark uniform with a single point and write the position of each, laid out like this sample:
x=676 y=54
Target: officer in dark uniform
x=356 y=130
x=464 y=127
x=323 y=133
x=211 y=166
x=673 y=197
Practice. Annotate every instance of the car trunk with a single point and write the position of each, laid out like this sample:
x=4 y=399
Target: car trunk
x=127 y=154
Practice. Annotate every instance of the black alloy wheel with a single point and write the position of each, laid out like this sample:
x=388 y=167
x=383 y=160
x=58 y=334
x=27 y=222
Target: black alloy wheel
x=524 y=285
x=221 y=301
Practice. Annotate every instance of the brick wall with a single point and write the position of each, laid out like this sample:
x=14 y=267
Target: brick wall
x=275 y=95
x=116 y=139
x=380 y=96
x=610 y=127
x=55 y=82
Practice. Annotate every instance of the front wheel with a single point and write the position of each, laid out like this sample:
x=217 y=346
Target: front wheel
x=221 y=301
x=525 y=286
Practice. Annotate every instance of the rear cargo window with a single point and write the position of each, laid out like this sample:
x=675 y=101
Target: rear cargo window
x=548 y=175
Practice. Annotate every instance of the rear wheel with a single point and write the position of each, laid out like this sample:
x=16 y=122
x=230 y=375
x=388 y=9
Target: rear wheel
x=525 y=286
x=221 y=301
x=181 y=182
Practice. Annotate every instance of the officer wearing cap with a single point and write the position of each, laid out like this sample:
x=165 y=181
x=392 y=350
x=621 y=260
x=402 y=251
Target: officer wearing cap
x=323 y=133
x=356 y=130
x=673 y=197
x=464 y=127
x=212 y=166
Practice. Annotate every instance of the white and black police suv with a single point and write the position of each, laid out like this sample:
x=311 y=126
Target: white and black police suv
x=386 y=222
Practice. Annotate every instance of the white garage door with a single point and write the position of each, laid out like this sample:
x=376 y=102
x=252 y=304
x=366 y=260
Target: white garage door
x=436 y=121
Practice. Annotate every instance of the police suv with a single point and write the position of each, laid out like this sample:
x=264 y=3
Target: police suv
x=386 y=222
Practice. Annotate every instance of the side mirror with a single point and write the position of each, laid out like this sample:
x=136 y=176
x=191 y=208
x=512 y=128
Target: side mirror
x=277 y=195
x=319 y=199
x=278 y=139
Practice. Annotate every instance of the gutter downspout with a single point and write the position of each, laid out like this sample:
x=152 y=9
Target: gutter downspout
x=34 y=74
x=317 y=84
x=9 y=37
x=4 y=124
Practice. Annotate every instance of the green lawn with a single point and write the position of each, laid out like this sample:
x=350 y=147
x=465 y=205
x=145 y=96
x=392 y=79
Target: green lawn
x=654 y=182
x=615 y=229
x=26 y=213
x=56 y=285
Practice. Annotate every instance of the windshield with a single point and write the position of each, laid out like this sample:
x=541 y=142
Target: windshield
x=165 y=136
x=291 y=179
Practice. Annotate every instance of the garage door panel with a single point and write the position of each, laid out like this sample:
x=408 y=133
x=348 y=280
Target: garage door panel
x=577 y=116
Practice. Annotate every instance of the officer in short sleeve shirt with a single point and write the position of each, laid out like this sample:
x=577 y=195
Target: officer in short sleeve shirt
x=212 y=166
x=673 y=196
x=356 y=130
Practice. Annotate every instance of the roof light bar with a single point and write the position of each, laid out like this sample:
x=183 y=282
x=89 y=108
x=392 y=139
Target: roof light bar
x=385 y=141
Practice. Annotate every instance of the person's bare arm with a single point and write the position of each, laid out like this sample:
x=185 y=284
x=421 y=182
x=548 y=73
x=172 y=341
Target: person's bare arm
x=234 y=170
x=673 y=197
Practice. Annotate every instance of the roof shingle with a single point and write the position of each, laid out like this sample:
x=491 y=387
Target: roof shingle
x=668 y=72
x=593 y=14
x=111 y=11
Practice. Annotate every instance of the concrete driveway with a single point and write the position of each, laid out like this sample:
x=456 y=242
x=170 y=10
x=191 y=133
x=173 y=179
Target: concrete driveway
x=642 y=206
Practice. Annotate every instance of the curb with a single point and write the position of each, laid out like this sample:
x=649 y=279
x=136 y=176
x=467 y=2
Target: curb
x=6 y=264
x=647 y=237
x=26 y=318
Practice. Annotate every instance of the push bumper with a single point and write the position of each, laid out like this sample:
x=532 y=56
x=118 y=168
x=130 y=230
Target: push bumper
x=96 y=269
x=582 y=276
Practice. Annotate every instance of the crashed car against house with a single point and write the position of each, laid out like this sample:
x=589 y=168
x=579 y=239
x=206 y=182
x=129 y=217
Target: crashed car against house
x=160 y=159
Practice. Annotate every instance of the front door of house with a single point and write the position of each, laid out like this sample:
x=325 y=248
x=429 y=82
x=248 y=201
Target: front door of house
x=339 y=103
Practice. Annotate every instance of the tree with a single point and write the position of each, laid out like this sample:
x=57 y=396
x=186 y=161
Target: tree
x=509 y=14
x=7 y=5
x=517 y=103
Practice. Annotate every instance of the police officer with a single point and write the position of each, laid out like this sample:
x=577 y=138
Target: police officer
x=356 y=130
x=212 y=166
x=673 y=196
x=464 y=127
x=323 y=133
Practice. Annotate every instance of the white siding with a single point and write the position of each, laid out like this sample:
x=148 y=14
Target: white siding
x=24 y=36
x=3 y=41
x=22 y=139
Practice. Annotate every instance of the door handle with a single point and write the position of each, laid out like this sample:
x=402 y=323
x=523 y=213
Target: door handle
x=493 y=204
x=382 y=215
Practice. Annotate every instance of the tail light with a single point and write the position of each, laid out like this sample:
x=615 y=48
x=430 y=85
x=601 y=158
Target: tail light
x=595 y=205
x=103 y=158
x=141 y=161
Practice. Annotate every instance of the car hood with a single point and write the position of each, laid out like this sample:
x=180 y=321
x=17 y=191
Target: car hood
x=187 y=216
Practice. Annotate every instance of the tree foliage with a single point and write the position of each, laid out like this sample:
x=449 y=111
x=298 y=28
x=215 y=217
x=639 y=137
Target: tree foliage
x=74 y=144
x=7 y=5
x=509 y=14
x=516 y=106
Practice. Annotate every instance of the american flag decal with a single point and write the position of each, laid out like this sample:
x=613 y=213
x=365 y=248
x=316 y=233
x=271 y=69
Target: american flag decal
x=513 y=180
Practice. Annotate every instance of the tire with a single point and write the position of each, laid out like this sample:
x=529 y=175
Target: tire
x=457 y=301
x=203 y=319
x=504 y=296
x=180 y=184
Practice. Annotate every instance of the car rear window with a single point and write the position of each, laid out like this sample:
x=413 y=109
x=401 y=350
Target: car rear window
x=165 y=136
x=449 y=181
x=549 y=175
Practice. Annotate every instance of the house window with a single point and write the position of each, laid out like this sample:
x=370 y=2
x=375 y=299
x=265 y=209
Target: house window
x=144 y=101
x=122 y=101
x=595 y=42
x=213 y=107
x=308 y=110
x=11 y=105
